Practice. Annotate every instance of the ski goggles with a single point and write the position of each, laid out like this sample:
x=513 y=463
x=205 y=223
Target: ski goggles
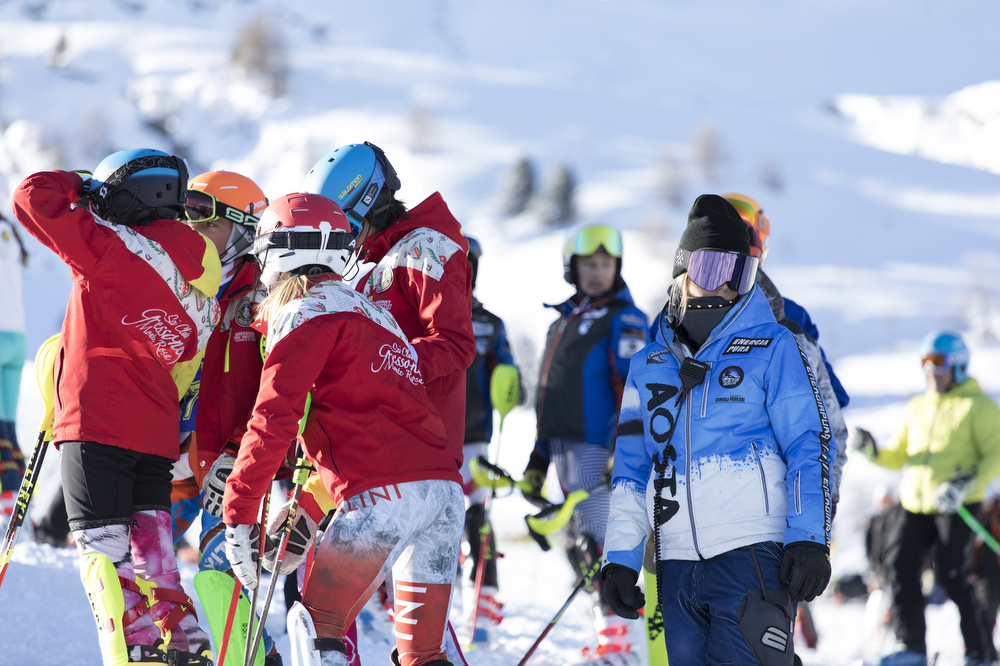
x=589 y=240
x=936 y=363
x=203 y=207
x=710 y=269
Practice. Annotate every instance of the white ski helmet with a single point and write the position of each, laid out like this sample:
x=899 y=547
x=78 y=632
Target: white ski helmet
x=302 y=234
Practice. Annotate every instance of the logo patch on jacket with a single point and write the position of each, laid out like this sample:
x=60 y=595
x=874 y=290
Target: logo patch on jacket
x=744 y=345
x=656 y=357
x=731 y=377
x=384 y=280
x=244 y=312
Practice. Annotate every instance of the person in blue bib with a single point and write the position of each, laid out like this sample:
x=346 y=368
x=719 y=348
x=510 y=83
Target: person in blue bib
x=724 y=448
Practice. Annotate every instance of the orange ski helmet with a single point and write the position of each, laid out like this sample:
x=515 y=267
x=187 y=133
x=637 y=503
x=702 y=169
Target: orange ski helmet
x=232 y=189
x=760 y=226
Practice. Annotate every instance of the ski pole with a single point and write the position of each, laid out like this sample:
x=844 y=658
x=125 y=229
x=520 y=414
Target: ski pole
x=21 y=508
x=44 y=362
x=485 y=535
x=265 y=501
x=587 y=578
x=302 y=469
x=979 y=529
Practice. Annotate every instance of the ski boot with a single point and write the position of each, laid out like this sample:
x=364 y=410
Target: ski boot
x=202 y=657
x=489 y=615
x=146 y=654
x=613 y=645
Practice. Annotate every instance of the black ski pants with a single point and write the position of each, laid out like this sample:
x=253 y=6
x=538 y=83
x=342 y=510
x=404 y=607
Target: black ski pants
x=909 y=540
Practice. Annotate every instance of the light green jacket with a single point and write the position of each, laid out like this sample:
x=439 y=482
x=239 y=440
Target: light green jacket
x=944 y=433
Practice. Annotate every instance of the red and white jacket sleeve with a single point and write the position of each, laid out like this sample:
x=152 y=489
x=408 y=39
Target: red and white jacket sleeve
x=444 y=308
x=289 y=373
x=42 y=205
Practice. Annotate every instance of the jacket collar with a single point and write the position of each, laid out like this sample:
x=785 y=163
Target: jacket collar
x=432 y=213
x=565 y=308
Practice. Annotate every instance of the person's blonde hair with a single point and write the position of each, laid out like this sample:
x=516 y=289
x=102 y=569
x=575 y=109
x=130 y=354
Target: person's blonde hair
x=286 y=289
x=679 y=297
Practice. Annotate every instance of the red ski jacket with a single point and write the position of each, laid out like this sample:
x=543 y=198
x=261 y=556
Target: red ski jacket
x=230 y=374
x=424 y=280
x=370 y=422
x=137 y=321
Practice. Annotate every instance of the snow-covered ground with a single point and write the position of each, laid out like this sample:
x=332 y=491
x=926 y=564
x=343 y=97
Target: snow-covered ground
x=867 y=130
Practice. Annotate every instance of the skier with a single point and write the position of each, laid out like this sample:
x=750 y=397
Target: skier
x=422 y=276
x=949 y=449
x=722 y=416
x=139 y=316
x=224 y=207
x=586 y=358
x=373 y=435
x=492 y=351
x=13 y=257
x=795 y=318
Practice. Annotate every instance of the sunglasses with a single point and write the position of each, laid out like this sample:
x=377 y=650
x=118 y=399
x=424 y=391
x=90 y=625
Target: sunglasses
x=937 y=363
x=589 y=240
x=203 y=207
x=710 y=269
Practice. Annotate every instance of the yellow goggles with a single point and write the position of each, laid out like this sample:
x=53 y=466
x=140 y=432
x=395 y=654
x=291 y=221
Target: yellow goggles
x=589 y=240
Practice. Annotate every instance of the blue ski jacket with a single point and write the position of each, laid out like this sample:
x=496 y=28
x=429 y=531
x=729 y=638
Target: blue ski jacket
x=492 y=348
x=746 y=455
x=587 y=354
x=800 y=316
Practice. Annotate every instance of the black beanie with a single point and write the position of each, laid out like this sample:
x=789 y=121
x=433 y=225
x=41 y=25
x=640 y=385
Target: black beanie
x=713 y=223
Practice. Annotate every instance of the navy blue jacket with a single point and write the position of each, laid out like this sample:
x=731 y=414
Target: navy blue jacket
x=492 y=348
x=586 y=359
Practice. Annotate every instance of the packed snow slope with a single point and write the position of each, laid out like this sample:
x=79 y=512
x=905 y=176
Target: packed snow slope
x=867 y=130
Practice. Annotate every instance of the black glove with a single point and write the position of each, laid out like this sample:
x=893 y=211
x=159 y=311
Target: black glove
x=805 y=569
x=861 y=440
x=621 y=592
x=534 y=479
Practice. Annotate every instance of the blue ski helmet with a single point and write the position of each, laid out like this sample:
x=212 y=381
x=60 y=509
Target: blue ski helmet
x=136 y=187
x=360 y=179
x=951 y=348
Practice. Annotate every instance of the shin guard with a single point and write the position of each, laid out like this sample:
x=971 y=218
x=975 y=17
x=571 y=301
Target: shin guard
x=104 y=591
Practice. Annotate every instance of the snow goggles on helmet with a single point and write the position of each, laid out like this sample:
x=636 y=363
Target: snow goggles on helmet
x=937 y=363
x=710 y=269
x=302 y=240
x=203 y=207
x=589 y=240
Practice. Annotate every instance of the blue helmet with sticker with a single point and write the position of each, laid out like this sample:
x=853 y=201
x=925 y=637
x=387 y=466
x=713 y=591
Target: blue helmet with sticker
x=944 y=350
x=136 y=187
x=360 y=179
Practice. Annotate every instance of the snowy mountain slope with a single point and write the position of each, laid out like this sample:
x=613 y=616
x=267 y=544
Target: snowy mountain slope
x=876 y=116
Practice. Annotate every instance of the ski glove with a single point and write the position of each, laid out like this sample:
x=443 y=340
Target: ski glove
x=534 y=479
x=243 y=549
x=805 y=569
x=951 y=494
x=214 y=484
x=862 y=440
x=621 y=592
x=300 y=540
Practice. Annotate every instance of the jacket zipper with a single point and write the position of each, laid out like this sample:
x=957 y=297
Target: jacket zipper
x=704 y=393
x=687 y=451
x=927 y=458
x=763 y=478
x=798 y=498
x=62 y=360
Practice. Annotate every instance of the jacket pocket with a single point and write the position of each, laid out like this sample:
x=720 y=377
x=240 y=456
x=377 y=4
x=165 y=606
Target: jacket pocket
x=763 y=478
x=798 y=496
